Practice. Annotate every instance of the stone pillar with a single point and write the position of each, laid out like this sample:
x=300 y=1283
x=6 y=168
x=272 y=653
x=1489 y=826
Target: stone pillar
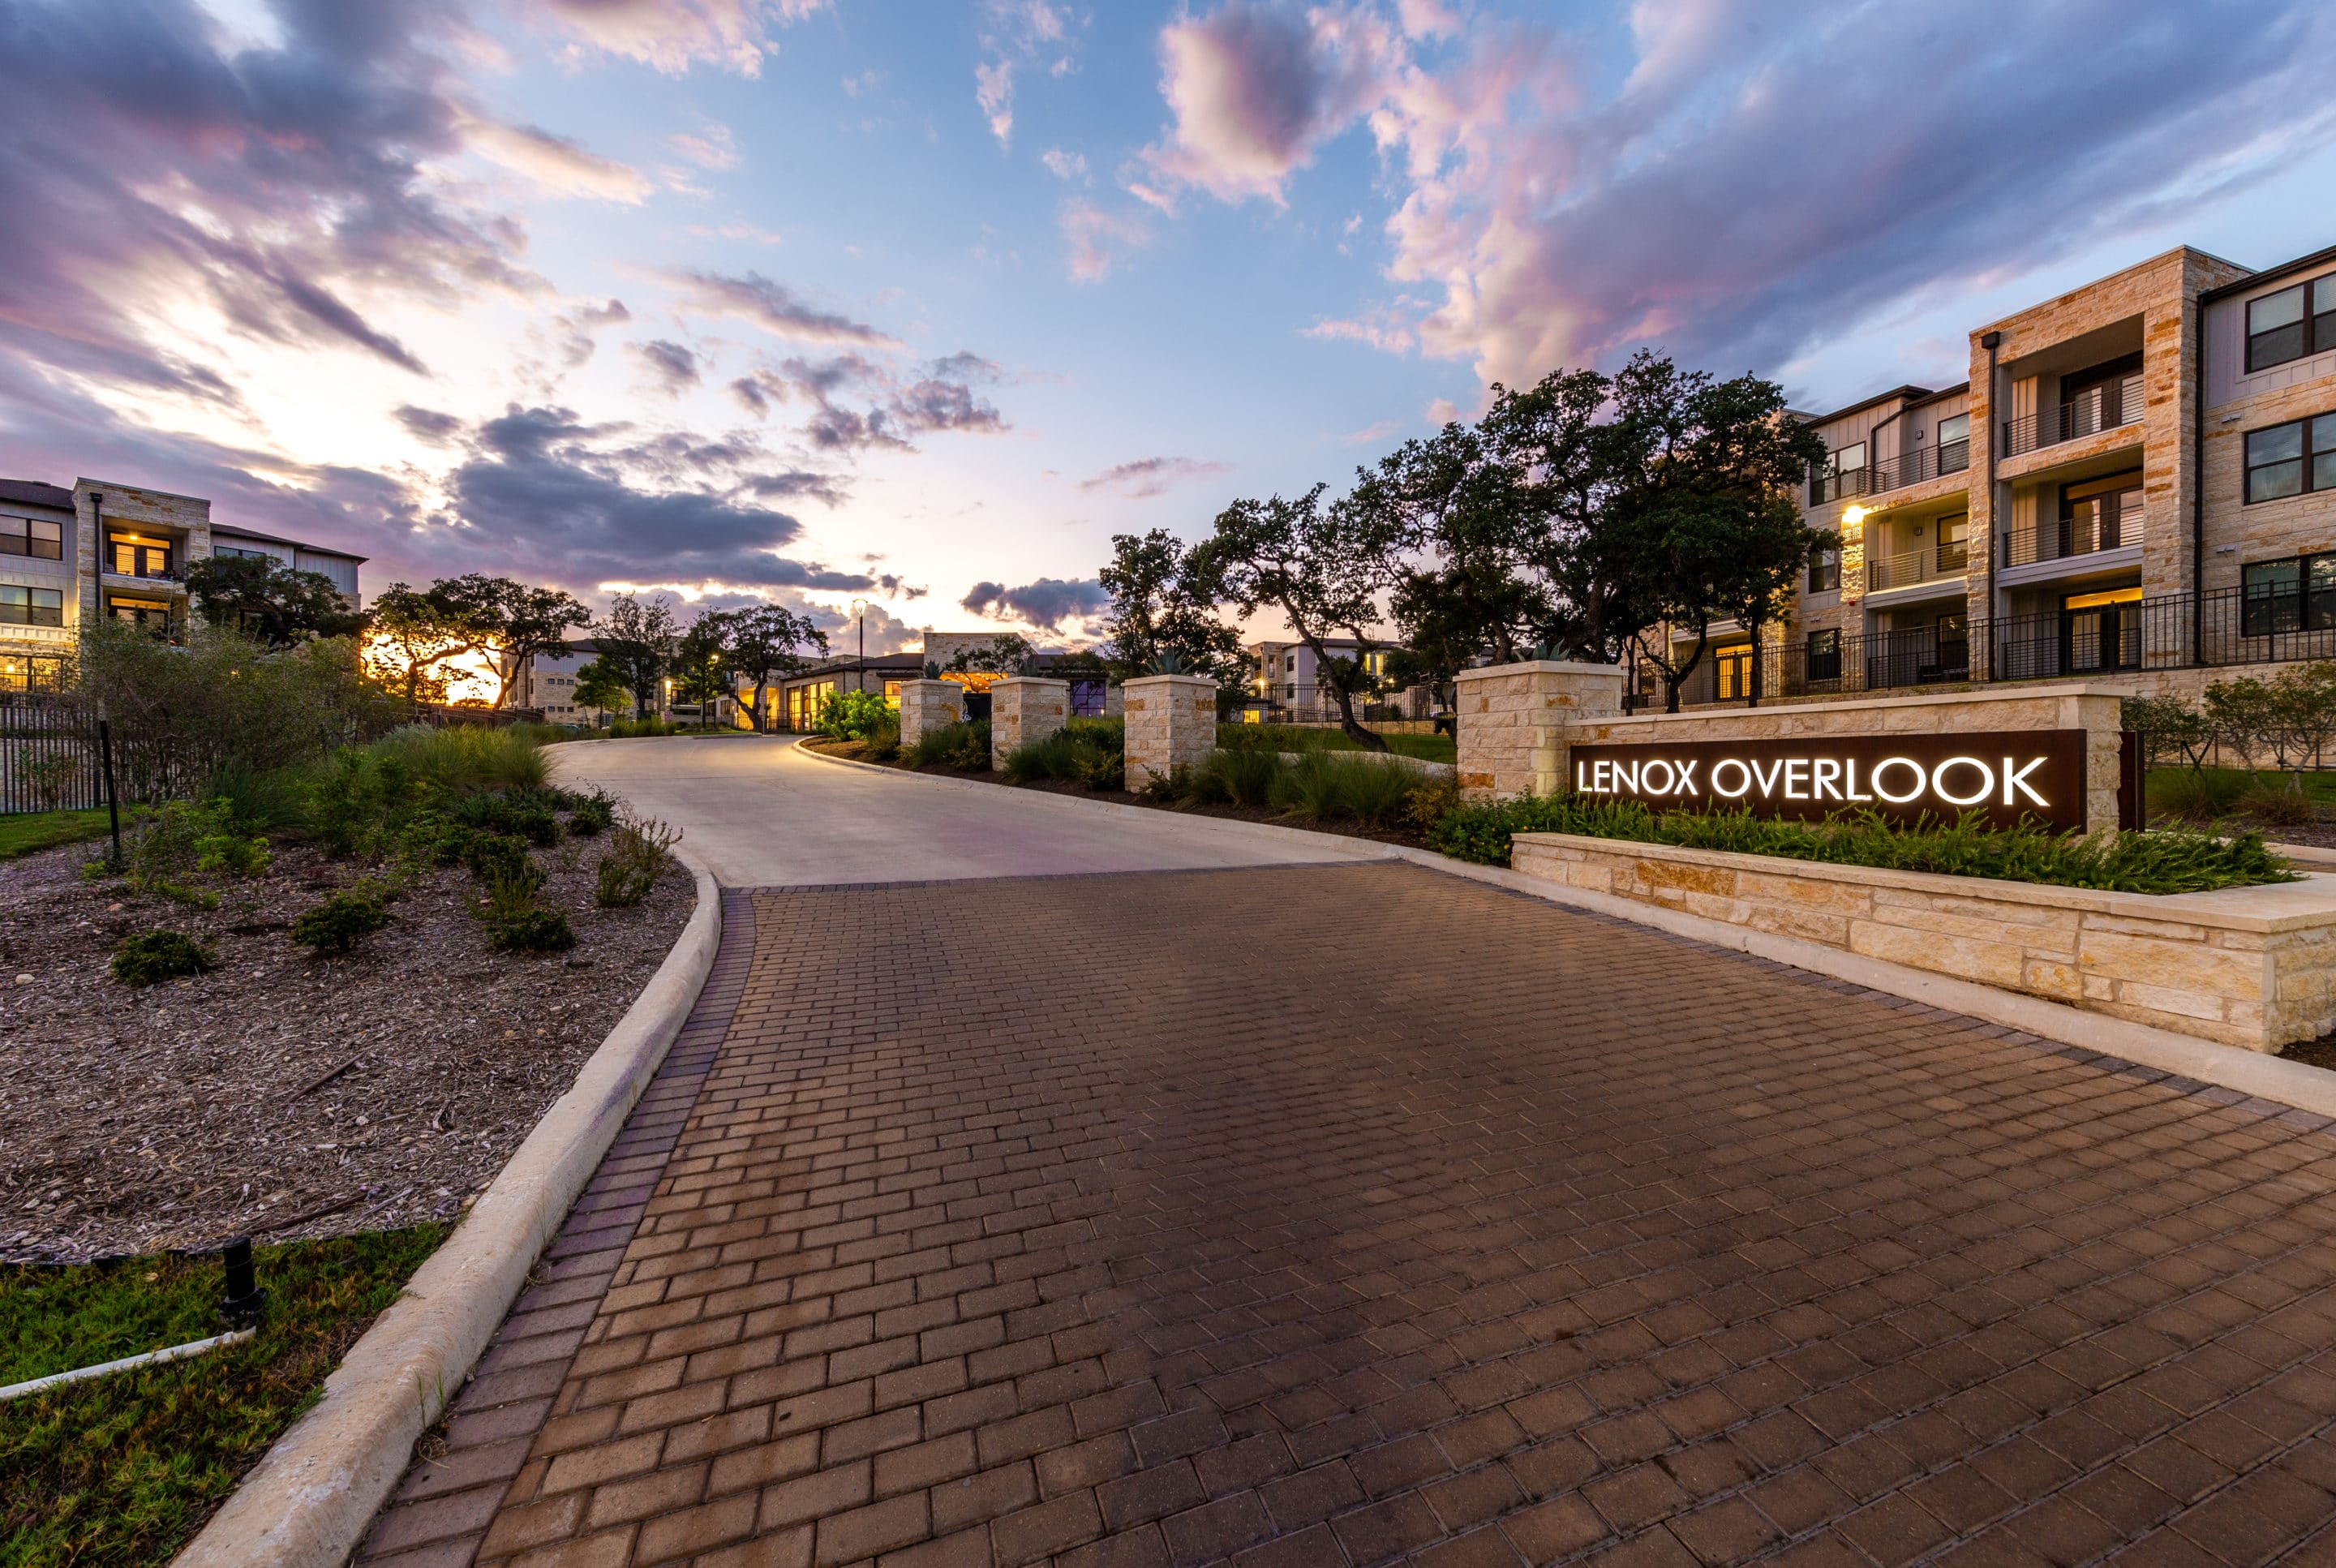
x=1172 y=722
x=927 y=706
x=1517 y=723
x=1023 y=708
x=2101 y=715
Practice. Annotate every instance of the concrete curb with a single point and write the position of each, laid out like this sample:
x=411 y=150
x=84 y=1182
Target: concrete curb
x=308 y=1503
x=2248 y=1072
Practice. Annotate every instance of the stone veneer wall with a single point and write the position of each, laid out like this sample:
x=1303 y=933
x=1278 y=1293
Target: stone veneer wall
x=1517 y=722
x=927 y=706
x=2248 y=967
x=2097 y=710
x=1025 y=708
x=1172 y=722
x=127 y=504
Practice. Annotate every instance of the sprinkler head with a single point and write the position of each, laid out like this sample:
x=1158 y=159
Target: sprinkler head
x=245 y=1299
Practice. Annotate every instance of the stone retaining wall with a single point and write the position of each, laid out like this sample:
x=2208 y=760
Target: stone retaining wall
x=2249 y=967
x=1172 y=722
x=927 y=706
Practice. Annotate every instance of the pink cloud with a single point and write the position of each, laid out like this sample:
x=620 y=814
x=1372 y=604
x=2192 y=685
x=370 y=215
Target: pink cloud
x=672 y=35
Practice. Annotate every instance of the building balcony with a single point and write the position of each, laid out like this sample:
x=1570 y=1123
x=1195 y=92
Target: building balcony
x=2070 y=539
x=2104 y=407
x=1912 y=568
x=1922 y=463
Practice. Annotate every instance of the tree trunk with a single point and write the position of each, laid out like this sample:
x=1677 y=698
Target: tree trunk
x=1348 y=724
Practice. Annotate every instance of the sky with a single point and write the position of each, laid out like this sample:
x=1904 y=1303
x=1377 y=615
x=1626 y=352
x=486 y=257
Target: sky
x=821 y=301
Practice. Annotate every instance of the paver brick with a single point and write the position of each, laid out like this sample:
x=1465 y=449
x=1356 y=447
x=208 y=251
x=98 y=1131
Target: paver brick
x=1557 y=1238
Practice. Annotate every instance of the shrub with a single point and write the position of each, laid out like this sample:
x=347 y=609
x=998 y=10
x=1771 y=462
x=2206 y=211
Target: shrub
x=851 y=715
x=500 y=856
x=2198 y=794
x=2278 y=804
x=883 y=741
x=638 y=852
x=150 y=958
x=1246 y=776
x=462 y=756
x=591 y=815
x=186 y=838
x=636 y=728
x=342 y=920
x=428 y=839
x=50 y=776
x=963 y=745
x=2162 y=860
x=532 y=931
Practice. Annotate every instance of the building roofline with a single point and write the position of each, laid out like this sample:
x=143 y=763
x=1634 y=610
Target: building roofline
x=116 y=486
x=20 y=493
x=1912 y=393
x=2110 y=278
x=2269 y=274
x=239 y=532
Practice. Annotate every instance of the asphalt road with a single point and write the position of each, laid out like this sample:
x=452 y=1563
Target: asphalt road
x=758 y=813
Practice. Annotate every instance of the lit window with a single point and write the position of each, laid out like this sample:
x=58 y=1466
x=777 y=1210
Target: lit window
x=32 y=605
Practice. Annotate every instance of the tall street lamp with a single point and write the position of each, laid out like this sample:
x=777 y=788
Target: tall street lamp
x=859 y=614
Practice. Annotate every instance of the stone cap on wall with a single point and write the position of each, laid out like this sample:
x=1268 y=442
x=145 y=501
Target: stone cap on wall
x=1540 y=667
x=2263 y=911
x=1024 y=680
x=1171 y=679
x=1869 y=704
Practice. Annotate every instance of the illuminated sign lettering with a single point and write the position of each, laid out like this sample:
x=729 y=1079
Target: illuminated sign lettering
x=2005 y=775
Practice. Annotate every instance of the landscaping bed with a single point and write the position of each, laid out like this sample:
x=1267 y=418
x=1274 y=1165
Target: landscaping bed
x=124 y=1470
x=281 y=1093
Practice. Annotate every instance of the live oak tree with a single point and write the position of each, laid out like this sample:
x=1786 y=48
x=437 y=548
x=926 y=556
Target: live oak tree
x=269 y=603
x=699 y=660
x=415 y=634
x=519 y=621
x=638 y=642
x=1164 y=602
x=1323 y=568
x=599 y=688
x=1008 y=653
x=767 y=641
x=1454 y=506
x=1701 y=501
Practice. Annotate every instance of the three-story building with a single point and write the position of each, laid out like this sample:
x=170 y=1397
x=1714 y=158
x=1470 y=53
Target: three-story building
x=2136 y=485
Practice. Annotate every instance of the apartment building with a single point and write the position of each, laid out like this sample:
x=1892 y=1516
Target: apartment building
x=116 y=550
x=2136 y=485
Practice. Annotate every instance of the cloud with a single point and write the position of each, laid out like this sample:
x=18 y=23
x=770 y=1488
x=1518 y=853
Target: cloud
x=716 y=148
x=672 y=35
x=555 y=164
x=857 y=403
x=428 y=425
x=675 y=367
x=1098 y=238
x=1052 y=602
x=1063 y=165
x=773 y=306
x=1016 y=34
x=1736 y=195
x=1150 y=476
x=575 y=488
x=165 y=193
x=1256 y=89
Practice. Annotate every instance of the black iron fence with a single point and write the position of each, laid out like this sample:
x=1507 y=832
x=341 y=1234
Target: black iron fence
x=2097 y=408
x=2223 y=628
x=50 y=759
x=1923 y=463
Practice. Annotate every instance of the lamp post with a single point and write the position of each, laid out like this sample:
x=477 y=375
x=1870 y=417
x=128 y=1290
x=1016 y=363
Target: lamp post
x=859 y=614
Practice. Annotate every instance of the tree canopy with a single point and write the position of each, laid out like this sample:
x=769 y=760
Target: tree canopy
x=1163 y=602
x=637 y=641
x=768 y=640
x=269 y=603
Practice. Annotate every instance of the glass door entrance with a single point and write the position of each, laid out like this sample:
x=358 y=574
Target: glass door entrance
x=2100 y=631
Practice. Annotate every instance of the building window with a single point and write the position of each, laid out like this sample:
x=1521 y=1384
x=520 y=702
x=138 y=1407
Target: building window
x=32 y=605
x=1843 y=475
x=1954 y=541
x=148 y=613
x=138 y=555
x=30 y=536
x=2290 y=459
x=2294 y=593
x=1824 y=569
x=232 y=553
x=1954 y=443
x=1825 y=655
x=2292 y=324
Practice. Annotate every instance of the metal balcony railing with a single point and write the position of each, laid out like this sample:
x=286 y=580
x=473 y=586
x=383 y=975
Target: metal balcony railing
x=2069 y=537
x=1926 y=563
x=1838 y=484
x=2097 y=408
x=1923 y=463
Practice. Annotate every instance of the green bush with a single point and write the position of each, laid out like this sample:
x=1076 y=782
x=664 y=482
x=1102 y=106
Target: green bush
x=591 y=814
x=2161 y=860
x=184 y=839
x=853 y=715
x=493 y=856
x=2201 y=794
x=638 y=854
x=1246 y=775
x=639 y=728
x=883 y=741
x=464 y=757
x=429 y=838
x=351 y=798
x=342 y=920
x=963 y=745
x=531 y=931
x=2278 y=802
x=150 y=958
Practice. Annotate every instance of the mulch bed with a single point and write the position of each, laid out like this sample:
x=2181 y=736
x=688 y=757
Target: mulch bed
x=280 y=1094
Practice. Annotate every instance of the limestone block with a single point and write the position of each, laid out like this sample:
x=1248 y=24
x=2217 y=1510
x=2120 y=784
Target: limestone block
x=2190 y=966
x=1519 y=722
x=1970 y=958
x=1023 y=708
x=1172 y=722
x=929 y=704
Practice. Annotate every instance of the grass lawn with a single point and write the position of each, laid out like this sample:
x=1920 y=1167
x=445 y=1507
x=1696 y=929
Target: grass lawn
x=23 y=833
x=124 y=1470
x=1305 y=738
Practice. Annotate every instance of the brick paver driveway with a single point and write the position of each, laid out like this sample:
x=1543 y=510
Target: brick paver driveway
x=1354 y=1214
